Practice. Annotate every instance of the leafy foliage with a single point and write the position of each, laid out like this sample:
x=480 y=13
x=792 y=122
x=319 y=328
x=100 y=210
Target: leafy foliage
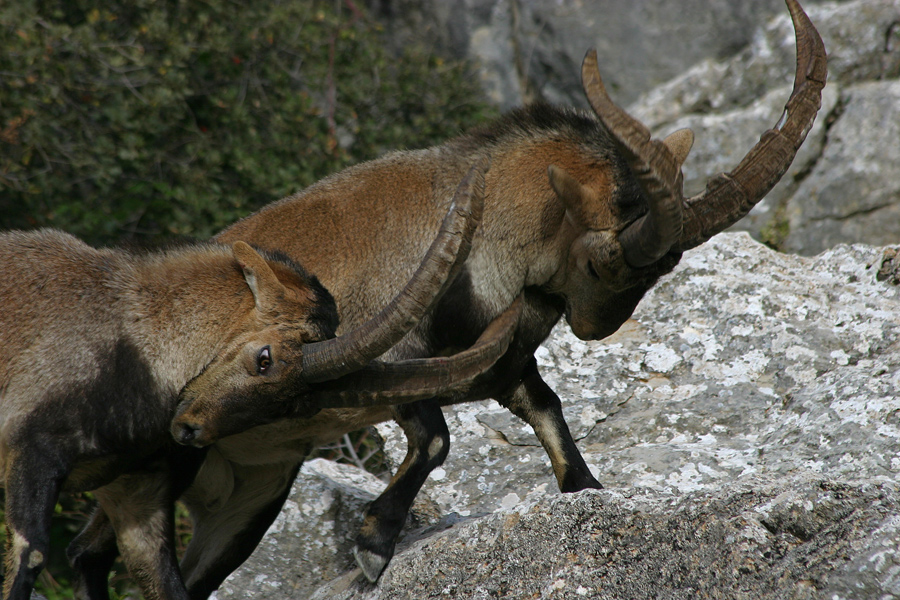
x=122 y=118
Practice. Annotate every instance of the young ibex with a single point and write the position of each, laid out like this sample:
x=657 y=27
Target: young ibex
x=96 y=344
x=583 y=214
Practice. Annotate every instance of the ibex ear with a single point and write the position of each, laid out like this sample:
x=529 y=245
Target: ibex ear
x=266 y=288
x=573 y=195
x=679 y=144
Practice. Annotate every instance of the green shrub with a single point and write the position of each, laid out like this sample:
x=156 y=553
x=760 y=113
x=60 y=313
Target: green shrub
x=164 y=117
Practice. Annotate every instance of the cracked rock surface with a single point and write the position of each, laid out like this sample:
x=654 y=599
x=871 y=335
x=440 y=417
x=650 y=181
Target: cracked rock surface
x=853 y=190
x=528 y=49
x=753 y=539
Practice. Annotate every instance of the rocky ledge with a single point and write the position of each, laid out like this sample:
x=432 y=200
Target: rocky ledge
x=745 y=423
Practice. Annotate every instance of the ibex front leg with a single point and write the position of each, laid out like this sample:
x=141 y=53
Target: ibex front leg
x=92 y=555
x=31 y=493
x=535 y=403
x=140 y=507
x=429 y=442
x=226 y=535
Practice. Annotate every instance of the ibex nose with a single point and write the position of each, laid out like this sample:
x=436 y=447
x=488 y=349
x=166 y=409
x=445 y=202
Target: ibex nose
x=185 y=433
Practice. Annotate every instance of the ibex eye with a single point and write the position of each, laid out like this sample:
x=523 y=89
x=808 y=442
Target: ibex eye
x=263 y=360
x=592 y=271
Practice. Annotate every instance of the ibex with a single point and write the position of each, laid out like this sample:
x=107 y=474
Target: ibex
x=583 y=213
x=98 y=345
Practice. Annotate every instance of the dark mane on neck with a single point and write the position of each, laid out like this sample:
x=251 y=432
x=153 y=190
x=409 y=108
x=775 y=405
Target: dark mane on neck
x=580 y=129
x=542 y=120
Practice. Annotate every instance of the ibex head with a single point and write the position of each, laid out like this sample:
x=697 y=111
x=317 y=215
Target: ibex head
x=285 y=367
x=616 y=254
x=262 y=365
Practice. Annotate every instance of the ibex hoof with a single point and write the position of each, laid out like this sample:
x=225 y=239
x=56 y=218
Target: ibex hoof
x=371 y=564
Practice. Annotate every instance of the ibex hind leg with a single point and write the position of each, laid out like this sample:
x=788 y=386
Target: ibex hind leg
x=92 y=554
x=429 y=442
x=537 y=404
x=228 y=533
x=140 y=507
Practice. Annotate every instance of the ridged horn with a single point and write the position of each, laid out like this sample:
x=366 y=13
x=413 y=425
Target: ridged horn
x=675 y=224
x=730 y=196
x=388 y=383
x=649 y=238
x=339 y=356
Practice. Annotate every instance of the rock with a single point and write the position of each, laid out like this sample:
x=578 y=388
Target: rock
x=862 y=40
x=853 y=190
x=748 y=539
x=745 y=425
x=843 y=185
x=890 y=267
x=532 y=49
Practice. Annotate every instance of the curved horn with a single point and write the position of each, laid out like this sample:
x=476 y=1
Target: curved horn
x=658 y=173
x=674 y=224
x=338 y=356
x=384 y=383
x=730 y=196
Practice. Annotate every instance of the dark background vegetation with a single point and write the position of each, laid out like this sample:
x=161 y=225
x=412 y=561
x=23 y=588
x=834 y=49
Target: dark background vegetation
x=140 y=120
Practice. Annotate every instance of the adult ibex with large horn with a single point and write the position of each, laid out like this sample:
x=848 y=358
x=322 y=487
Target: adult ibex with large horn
x=98 y=345
x=583 y=213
